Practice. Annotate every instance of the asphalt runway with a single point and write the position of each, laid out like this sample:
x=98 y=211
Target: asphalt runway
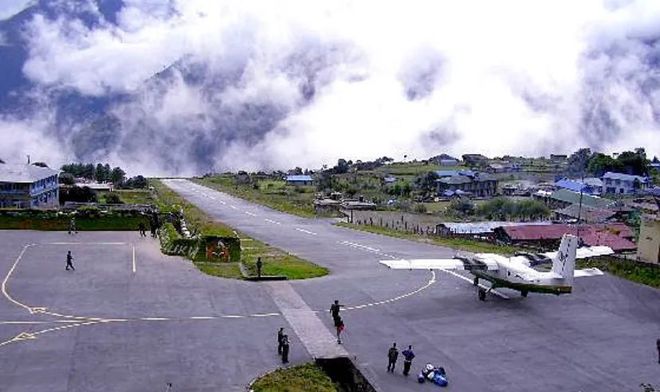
x=119 y=325
x=600 y=338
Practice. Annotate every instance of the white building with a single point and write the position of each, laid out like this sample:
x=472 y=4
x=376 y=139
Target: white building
x=28 y=186
x=625 y=184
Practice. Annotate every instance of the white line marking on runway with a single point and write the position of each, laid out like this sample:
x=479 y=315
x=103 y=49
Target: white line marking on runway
x=4 y=282
x=470 y=280
x=154 y=319
x=305 y=231
x=402 y=296
x=84 y=243
x=202 y=318
x=249 y=213
x=264 y=314
x=134 y=266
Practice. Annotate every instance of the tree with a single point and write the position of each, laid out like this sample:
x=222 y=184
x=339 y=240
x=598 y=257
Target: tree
x=600 y=163
x=117 y=176
x=341 y=167
x=324 y=181
x=634 y=162
x=137 y=182
x=101 y=175
x=461 y=205
x=113 y=198
x=578 y=161
x=67 y=179
x=425 y=183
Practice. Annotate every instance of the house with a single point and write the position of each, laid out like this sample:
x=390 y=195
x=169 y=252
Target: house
x=468 y=183
x=591 y=186
x=625 y=184
x=586 y=214
x=616 y=235
x=444 y=160
x=563 y=198
x=475 y=159
x=648 y=246
x=558 y=157
x=299 y=180
x=389 y=180
x=28 y=186
x=503 y=167
x=470 y=229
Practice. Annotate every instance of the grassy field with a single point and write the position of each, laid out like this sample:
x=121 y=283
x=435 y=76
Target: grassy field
x=628 y=269
x=61 y=223
x=129 y=196
x=303 y=378
x=297 y=200
x=275 y=261
x=454 y=243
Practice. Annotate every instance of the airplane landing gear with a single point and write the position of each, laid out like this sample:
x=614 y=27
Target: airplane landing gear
x=482 y=294
x=524 y=293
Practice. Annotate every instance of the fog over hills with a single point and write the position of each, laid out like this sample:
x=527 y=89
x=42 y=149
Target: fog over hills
x=189 y=86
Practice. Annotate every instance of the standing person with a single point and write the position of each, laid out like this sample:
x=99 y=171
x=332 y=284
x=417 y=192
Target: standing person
x=141 y=229
x=339 y=324
x=259 y=265
x=408 y=356
x=72 y=225
x=657 y=344
x=392 y=356
x=280 y=340
x=69 y=261
x=285 y=348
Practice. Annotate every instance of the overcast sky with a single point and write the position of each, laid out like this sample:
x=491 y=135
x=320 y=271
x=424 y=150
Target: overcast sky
x=352 y=79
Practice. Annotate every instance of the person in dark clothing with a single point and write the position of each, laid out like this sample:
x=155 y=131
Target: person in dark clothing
x=334 y=311
x=280 y=341
x=259 y=265
x=285 y=349
x=392 y=356
x=69 y=261
x=142 y=229
x=408 y=356
x=657 y=343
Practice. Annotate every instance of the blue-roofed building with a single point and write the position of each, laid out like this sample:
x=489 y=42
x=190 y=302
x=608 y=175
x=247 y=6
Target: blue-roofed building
x=590 y=186
x=299 y=180
x=624 y=184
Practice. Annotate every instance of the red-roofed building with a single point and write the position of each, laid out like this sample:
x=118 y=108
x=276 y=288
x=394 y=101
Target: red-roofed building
x=616 y=235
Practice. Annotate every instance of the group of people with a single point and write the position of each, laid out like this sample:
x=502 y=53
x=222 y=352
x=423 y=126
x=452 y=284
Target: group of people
x=393 y=355
x=154 y=224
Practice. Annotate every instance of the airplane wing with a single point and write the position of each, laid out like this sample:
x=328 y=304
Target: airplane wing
x=582 y=273
x=585 y=252
x=448 y=264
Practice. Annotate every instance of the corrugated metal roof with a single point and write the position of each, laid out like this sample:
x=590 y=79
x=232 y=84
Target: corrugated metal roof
x=571 y=185
x=295 y=178
x=588 y=214
x=613 y=235
x=574 y=198
x=24 y=173
x=482 y=227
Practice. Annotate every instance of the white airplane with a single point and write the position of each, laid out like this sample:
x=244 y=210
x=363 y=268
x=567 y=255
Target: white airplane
x=516 y=272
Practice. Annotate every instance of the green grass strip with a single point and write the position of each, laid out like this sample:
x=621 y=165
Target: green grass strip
x=304 y=378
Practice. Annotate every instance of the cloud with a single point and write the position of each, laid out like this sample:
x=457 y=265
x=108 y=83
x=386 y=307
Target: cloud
x=9 y=8
x=258 y=84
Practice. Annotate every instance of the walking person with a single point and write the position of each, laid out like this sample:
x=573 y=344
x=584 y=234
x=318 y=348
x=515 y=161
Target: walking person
x=69 y=261
x=408 y=356
x=392 y=355
x=142 y=229
x=339 y=324
x=280 y=340
x=657 y=344
x=285 y=348
x=334 y=311
x=72 y=226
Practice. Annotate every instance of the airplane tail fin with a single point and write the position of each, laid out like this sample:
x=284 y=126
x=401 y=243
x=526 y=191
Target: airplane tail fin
x=563 y=264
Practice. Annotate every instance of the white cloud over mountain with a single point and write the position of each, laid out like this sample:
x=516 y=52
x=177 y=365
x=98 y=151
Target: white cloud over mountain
x=262 y=84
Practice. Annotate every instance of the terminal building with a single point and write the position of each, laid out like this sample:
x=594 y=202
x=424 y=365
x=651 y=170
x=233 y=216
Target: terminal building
x=28 y=186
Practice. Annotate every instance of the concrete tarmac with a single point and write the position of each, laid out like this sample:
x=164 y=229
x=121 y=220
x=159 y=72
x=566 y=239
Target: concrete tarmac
x=122 y=326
